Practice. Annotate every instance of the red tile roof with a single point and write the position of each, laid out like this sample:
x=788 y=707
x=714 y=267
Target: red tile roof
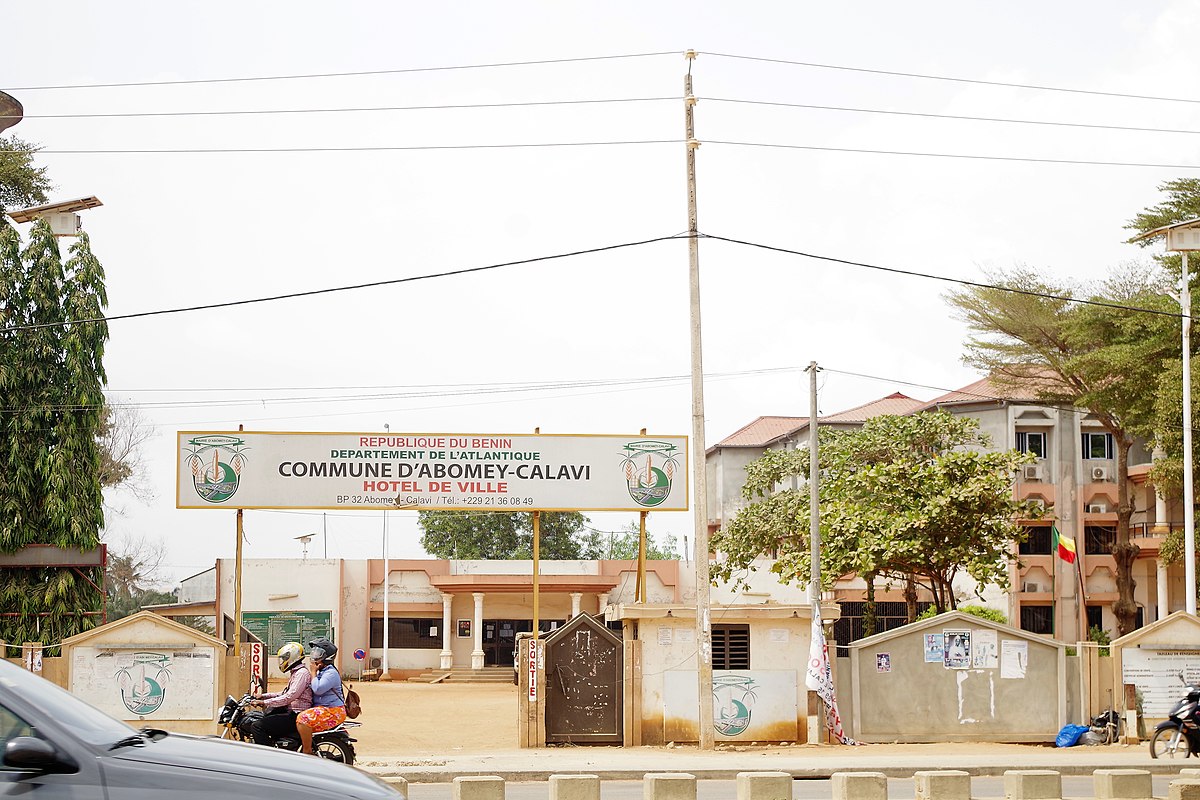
x=766 y=430
x=895 y=403
x=982 y=391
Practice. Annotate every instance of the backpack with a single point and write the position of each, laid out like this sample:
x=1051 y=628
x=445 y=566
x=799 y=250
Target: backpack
x=353 y=706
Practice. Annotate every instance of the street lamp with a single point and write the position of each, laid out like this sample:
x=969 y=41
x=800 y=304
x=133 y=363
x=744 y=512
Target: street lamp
x=304 y=540
x=1183 y=237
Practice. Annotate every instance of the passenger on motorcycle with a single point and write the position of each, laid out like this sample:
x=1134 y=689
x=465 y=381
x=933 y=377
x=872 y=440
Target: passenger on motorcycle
x=329 y=702
x=282 y=707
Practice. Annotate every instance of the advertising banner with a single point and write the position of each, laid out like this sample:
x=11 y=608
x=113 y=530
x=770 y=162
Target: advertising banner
x=438 y=471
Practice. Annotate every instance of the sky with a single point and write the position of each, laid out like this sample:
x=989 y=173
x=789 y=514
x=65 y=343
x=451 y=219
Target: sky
x=592 y=343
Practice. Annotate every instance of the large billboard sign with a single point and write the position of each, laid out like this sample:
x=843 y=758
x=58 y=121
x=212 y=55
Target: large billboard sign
x=435 y=471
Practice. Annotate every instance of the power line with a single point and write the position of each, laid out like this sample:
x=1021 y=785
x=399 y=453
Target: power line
x=357 y=74
x=523 y=104
x=925 y=115
x=962 y=281
x=331 y=290
x=949 y=155
x=953 y=79
x=363 y=149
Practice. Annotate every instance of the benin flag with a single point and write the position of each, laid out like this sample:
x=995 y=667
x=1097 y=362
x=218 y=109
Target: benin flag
x=1064 y=546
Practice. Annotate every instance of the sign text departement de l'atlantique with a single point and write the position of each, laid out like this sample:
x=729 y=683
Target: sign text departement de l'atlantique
x=481 y=472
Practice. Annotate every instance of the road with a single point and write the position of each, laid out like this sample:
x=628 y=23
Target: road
x=898 y=789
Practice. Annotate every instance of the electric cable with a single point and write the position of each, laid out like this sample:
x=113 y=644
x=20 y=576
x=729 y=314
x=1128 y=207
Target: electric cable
x=356 y=74
x=349 y=149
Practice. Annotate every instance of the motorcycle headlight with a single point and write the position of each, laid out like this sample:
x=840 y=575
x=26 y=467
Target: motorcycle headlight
x=1185 y=713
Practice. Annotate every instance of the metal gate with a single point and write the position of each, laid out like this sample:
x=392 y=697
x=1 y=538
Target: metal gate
x=584 y=670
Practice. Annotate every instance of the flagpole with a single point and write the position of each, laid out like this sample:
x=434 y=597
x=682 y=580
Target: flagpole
x=1082 y=594
x=1053 y=584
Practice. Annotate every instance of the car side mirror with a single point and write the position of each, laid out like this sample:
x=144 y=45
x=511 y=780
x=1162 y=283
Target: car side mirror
x=31 y=754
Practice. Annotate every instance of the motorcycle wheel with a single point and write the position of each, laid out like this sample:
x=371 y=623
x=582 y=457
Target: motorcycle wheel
x=335 y=750
x=1164 y=744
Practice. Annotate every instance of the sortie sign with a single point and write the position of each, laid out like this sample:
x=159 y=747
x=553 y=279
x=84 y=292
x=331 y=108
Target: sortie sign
x=434 y=471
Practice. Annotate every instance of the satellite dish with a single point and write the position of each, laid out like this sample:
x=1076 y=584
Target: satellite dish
x=11 y=111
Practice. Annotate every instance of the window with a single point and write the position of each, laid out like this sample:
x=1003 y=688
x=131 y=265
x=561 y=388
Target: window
x=1037 y=542
x=12 y=726
x=1099 y=539
x=1097 y=445
x=1032 y=442
x=888 y=616
x=407 y=633
x=1095 y=618
x=1037 y=619
x=731 y=646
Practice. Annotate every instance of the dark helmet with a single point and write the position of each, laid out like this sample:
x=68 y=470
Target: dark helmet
x=321 y=649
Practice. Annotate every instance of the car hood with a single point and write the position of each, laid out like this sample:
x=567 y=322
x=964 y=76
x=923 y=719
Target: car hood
x=315 y=776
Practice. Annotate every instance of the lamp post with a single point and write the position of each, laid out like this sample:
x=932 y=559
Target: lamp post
x=1183 y=237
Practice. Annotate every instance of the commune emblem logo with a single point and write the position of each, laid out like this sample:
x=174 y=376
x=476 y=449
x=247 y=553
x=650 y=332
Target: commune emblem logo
x=650 y=467
x=216 y=464
x=733 y=703
x=143 y=683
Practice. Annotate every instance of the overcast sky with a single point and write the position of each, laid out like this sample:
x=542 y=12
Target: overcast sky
x=187 y=228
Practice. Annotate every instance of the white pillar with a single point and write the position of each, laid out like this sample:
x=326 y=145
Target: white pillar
x=602 y=602
x=1160 y=575
x=447 y=655
x=1162 y=525
x=576 y=597
x=477 y=653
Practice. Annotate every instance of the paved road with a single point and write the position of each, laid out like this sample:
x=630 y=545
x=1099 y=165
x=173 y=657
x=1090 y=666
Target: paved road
x=898 y=789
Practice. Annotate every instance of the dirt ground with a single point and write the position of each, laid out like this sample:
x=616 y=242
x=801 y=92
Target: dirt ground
x=401 y=718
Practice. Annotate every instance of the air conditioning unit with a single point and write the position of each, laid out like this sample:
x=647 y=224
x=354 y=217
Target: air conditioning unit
x=1097 y=508
x=1038 y=503
x=1099 y=473
x=1030 y=586
x=1032 y=472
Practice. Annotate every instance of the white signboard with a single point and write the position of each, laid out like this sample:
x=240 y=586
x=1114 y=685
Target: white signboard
x=479 y=472
x=150 y=684
x=1156 y=673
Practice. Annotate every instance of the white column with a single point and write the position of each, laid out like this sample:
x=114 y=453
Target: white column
x=1160 y=575
x=1161 y=523
x=576 y=597
x=447 y=655
x=477 y=653
x=602 y=602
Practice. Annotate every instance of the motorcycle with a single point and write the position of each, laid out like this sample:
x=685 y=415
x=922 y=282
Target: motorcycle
x=240 y=718
x=1179 y=734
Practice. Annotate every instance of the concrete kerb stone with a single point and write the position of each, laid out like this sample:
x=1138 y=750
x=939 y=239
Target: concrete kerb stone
x=669 y=786
x=1186 y=788
x=574 y=787
x=479 y=787
x=858 y=786
x=1123 y=784
x=1032 y=784
x=764 y=786
x=942 y=784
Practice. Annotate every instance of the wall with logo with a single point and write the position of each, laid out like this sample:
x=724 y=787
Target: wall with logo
x=148 y=670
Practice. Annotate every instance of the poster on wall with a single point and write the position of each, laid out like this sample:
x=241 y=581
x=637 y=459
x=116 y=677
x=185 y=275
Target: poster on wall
x=1156 y=673
x=1014 y=658
x=957 y=644
x=933 y=648
x=985 y=652
x=464 y=629
x=883 y=662
x=154 y=683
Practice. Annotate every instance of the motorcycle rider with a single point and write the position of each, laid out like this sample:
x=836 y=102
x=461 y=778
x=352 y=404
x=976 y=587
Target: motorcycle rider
x=279 y=720
x=328 y=700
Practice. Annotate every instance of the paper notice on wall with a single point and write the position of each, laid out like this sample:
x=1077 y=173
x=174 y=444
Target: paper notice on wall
x=685 y=635
x=1014 y=657
x=984 y=651
x=778 y=636
x=666 y=636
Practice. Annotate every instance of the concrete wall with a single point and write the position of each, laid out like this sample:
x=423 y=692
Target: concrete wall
x=919 y=701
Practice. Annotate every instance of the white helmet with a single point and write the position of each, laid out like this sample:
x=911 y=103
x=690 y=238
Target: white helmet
x=289 y=656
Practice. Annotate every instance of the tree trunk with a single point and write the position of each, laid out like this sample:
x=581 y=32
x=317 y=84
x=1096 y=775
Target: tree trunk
x=870 y=615
x=910 y=598
x=1124 y=551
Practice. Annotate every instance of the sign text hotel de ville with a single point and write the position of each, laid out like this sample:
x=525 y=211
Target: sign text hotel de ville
x=493 y=472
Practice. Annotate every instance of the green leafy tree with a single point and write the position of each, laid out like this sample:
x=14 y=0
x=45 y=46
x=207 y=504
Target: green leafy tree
x=1030 y=338
x=623 y=545
x=51 y=380
x=22 y=183
x=131 y=578
x=983 y=612
x=500 y=535
x=917 y=499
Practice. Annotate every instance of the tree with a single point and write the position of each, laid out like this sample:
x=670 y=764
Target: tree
x=122 y=434
x=21 y=183
x=130 y=577
x=623 y=545
x=500 y=535
x=1029 y=336
x=913 y=498
x=51 y=380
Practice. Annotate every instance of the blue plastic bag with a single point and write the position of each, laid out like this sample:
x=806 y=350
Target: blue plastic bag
x=1069 y=735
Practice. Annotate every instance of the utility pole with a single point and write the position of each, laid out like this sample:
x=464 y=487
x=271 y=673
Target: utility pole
x=1189 y=501
x=814 y=472
x=703 y=626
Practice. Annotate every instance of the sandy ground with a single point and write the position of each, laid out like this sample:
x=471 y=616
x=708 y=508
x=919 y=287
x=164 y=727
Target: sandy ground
x=435 y=719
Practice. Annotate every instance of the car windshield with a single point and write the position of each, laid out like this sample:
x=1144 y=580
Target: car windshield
x=90 y=724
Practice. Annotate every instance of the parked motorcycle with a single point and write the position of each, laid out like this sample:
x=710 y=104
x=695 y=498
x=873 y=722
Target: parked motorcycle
x=240 y=718
x=1179 y=735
